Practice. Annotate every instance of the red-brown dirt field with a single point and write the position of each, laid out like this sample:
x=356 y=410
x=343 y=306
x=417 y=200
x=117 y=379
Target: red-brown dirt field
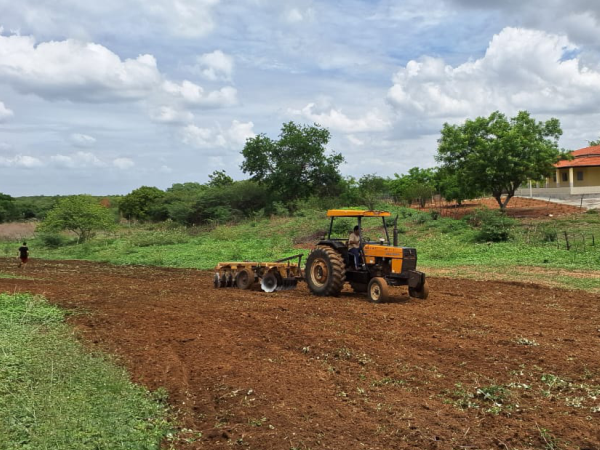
x=518 y=207
x=478 y=365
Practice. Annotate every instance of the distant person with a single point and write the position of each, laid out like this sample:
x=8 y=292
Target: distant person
x=23 y=254
x=354 y=245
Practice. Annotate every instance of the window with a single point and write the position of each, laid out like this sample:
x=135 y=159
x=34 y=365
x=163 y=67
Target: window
x=565 y=176
x=580 y=175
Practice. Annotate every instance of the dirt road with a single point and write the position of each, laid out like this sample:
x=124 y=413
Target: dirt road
x=476 y=366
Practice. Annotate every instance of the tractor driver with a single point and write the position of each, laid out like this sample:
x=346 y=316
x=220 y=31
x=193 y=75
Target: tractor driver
x=354 y=246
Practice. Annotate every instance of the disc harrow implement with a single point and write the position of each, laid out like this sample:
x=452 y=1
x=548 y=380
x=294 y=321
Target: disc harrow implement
x=280 y=275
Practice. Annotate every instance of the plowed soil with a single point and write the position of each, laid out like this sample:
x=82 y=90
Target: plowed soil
x=476 y=366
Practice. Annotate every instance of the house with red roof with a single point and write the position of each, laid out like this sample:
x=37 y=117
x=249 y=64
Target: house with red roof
x=577 y=177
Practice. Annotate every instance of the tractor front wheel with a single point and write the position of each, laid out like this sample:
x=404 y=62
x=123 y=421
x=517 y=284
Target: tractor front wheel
x=377 y=290
x=325 y=272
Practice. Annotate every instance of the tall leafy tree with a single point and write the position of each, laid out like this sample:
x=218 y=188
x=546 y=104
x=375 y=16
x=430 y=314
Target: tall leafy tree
x=140 y=203
x=417 y=185
x=454 y=187
x=219 y=178
x=495 y=154
x=371 y=188
x=8 y=209
x=296 y=165
x=81 y=214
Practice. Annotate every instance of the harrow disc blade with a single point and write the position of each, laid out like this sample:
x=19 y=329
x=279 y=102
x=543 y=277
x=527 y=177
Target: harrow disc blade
x=217 y=280
x=269 y=282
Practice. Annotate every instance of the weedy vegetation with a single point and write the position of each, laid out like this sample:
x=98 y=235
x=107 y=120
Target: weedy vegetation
x=56 y=395
x=468 y=247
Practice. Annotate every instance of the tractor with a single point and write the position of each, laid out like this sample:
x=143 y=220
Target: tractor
x=382 y=263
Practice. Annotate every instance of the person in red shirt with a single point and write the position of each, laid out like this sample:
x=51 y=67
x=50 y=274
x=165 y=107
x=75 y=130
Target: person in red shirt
x=23 y=254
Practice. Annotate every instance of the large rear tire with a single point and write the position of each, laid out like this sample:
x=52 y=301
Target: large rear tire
x=378 y=290
x=325 y=272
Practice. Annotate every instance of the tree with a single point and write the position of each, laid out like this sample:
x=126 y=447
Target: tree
x=295 y=166
x=219 y=179
x=594 y=143
x=371 y=188
x=139 y=203
x=417 y=184
x=494 y=154
x=8 y=209
x=454 y=187
x=81 y=214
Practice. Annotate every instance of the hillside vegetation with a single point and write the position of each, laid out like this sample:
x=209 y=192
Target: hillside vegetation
x=484 y=244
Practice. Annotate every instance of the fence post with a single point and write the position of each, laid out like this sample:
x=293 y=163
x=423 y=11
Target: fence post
x=567 y=240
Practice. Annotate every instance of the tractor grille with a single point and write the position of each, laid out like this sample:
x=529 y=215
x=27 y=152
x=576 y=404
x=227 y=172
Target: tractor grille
x=409 y=255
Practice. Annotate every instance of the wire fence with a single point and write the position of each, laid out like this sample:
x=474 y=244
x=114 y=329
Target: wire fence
x=579 y=241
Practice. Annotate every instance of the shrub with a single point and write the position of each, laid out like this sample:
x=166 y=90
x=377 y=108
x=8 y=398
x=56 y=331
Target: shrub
x=549 y=235
x=421 y=218
x=279 y=209
x=492 y=225
x=52 y=240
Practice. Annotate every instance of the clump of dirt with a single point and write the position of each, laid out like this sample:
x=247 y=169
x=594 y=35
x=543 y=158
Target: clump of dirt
x=477 y=365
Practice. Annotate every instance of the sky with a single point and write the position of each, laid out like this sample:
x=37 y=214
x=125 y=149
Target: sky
x=104 y=97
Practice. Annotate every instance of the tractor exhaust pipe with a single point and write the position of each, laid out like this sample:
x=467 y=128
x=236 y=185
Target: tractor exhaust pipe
x=396 y=231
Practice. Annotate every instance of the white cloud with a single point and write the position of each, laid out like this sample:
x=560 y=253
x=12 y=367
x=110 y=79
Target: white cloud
x=166 y=18
x=239 y=132
x=521 y=69
x=194 y=95
x=79 y=160
x=74 y=70
x=5 y=113
x=28 y=162
x=355 y=141
x=296 y=15
x=171 y=115
x=123 y=163
x=82 y=140
x=216 y=66
x=337 y=120
x=188 y=18
x=215 y=138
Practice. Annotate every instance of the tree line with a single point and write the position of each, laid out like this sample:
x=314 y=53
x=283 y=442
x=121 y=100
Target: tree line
x=487 y=155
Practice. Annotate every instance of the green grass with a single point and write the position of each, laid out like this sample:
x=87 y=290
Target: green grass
x=444 y=243
x=11 y=276
x=56 y=395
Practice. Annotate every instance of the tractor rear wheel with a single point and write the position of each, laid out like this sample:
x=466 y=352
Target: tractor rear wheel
x=244 y=279
x=378 y=290
x=325 y=271
x=421 y=293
